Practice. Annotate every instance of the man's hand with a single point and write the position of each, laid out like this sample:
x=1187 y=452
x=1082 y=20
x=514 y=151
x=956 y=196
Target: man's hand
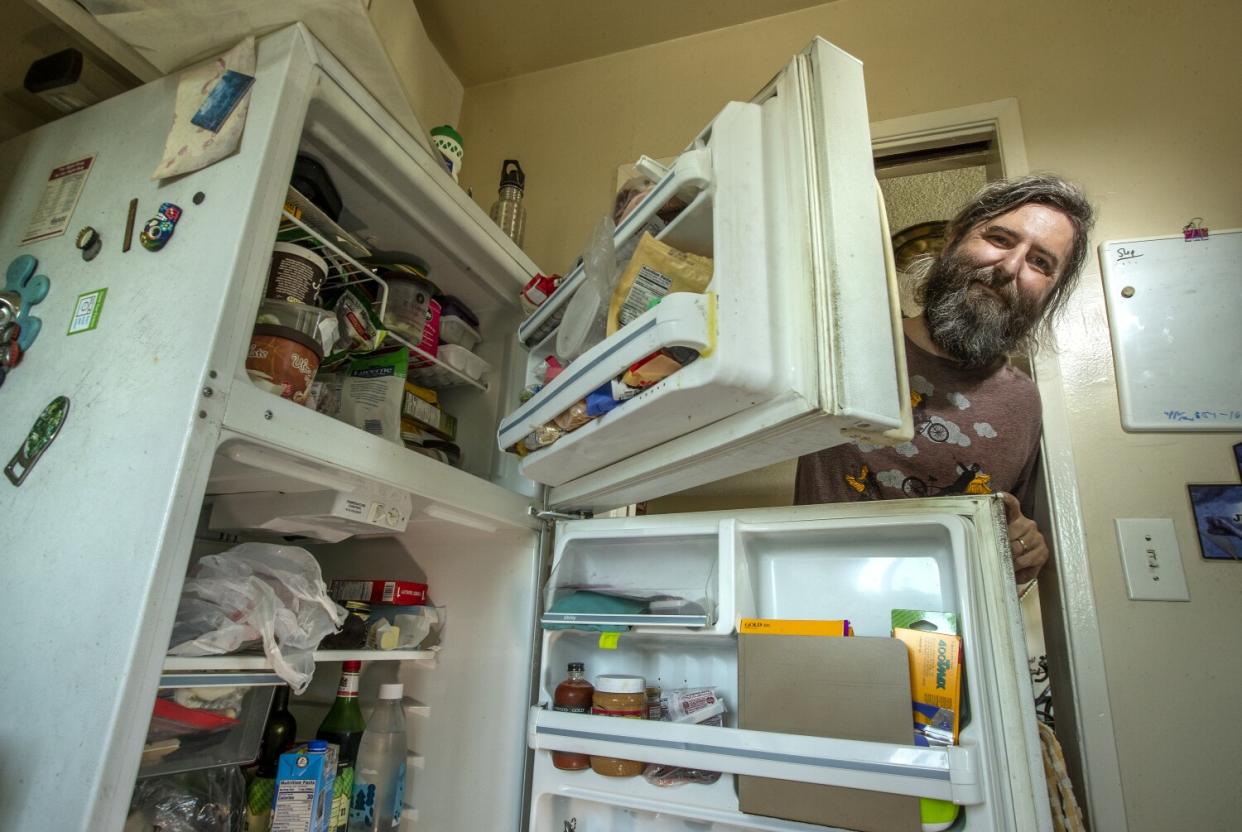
x=1027 y=546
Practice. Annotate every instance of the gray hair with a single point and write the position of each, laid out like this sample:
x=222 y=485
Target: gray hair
x=1001 y=197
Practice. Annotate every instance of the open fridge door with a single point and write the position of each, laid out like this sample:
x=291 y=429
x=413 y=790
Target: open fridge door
x=849 y=561
x=797 y=337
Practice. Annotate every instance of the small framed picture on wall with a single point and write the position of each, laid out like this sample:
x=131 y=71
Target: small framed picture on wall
x=1218 y=519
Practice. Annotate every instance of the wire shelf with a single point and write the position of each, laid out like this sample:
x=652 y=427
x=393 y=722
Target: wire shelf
x=316 y=231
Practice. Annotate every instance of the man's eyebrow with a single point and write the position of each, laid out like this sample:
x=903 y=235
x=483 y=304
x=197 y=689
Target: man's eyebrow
x=1044 y=250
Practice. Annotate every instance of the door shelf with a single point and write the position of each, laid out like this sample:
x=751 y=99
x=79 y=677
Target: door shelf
x=943 y=773
x=690 y=175
x=258 y=661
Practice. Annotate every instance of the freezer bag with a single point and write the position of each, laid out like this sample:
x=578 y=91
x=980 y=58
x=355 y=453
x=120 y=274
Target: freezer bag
x=257 y=593
x=655 y=270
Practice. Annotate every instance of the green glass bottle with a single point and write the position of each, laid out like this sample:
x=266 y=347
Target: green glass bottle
x=343 y=727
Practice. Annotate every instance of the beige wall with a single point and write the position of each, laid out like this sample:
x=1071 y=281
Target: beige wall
x=433 y=90
x=1139 y=102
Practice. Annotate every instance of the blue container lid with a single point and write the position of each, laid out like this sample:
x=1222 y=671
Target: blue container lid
x=317 y=745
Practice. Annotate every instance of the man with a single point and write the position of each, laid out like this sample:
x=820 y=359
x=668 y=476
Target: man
x=1012 y=256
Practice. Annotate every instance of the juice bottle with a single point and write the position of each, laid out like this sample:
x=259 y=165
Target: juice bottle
x=573 y=696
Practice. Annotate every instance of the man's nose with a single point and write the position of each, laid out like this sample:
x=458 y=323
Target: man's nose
x=1009 y=266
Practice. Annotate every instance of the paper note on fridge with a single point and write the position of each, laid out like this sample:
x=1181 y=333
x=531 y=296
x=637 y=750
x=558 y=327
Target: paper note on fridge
x=847 y=688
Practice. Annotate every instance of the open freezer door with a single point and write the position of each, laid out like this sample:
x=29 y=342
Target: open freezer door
x=798 y=335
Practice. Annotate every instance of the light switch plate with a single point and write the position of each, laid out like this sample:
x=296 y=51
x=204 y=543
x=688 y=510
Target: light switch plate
x=1151 y=559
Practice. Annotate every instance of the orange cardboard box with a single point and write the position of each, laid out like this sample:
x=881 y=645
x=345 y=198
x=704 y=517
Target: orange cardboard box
x=935 y=683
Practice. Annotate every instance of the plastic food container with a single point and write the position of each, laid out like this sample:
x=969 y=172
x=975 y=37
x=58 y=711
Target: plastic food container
x=625 y=697
x=411 y=311
x=455 y=330
x=283 y=361
x=182 y=738
x=459 y=358
x=295 y=274
x=318 y=324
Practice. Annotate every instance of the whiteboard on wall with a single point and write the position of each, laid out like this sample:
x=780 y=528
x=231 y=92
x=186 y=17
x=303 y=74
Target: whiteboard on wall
x=1175 y=319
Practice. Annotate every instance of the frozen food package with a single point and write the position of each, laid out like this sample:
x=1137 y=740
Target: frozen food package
x=657 y=367
x=372 y=388
x=359 y=329
x=655 y=270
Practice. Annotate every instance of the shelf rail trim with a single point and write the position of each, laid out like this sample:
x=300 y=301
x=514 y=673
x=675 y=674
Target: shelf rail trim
x=942 y=773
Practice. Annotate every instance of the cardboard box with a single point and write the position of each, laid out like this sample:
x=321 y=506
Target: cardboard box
x=848 y=688
x=304 y=781
x=935 y=683
x=401 y=593
x=794 y=627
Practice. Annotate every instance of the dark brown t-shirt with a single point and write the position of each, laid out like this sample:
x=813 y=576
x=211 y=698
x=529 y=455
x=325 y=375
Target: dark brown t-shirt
x=975 y=432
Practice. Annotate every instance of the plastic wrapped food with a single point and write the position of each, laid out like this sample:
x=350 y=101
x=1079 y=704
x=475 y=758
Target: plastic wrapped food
x=206 y=800
x=698 y=706
x=655 y=270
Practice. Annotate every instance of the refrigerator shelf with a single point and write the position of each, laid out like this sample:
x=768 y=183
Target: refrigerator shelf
x=690 y=175
x=682 y=319
x=350 y=272
x=942 y=773
x=258 y=661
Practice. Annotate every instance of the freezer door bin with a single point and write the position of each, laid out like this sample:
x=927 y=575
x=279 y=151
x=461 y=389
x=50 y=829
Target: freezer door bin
x=798 y=335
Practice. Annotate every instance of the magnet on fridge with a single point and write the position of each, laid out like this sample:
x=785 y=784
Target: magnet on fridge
x=156 y=233
x=89 y=243
x=20 y=279
x=41 y=436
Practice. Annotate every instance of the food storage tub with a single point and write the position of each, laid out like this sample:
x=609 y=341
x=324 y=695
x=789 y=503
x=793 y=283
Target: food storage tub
x=191 y=734
x=457 y=357
x=455 y=330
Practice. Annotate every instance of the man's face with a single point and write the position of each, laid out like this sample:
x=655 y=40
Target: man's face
x=987 y=293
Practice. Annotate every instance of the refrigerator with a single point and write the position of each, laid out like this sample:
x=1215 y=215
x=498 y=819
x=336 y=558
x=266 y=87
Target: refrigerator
x=802 y=349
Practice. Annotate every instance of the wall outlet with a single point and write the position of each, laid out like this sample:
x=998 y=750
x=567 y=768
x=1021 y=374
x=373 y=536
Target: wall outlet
x=1152 y=561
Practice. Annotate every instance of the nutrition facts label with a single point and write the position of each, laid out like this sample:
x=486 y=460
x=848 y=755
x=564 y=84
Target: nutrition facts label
x=295 y=806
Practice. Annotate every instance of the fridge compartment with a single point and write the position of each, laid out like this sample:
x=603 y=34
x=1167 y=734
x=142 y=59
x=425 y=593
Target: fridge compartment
x=181 y=738
x=689 y=177
x=683 y=319
x=684 y=565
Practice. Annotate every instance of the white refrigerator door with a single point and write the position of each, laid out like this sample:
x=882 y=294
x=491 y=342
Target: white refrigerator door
x=852 y=561
x=98 y=536
x=799 y=332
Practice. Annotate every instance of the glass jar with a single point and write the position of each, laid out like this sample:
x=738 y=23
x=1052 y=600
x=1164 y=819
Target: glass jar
x=625 y=697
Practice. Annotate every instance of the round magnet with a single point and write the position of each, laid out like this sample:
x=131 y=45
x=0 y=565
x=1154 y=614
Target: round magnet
x=10 y=355
x=9 y=332
x=89 y=243
x=199 y=197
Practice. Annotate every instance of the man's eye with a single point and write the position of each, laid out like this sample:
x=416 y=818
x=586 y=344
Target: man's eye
x=1043 y=265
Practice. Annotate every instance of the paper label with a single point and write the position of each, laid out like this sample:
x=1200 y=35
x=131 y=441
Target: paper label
x=60 y=198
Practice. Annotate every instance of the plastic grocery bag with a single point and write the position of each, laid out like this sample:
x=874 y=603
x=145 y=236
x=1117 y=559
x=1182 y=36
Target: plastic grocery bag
x=257 y=592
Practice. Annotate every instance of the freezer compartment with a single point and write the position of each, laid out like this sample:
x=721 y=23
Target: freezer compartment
x=399 y=206
x=203 y=720
x=742 y=352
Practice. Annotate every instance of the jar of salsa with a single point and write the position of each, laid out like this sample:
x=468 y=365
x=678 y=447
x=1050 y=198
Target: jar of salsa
x=620 y=696
x=573 y=696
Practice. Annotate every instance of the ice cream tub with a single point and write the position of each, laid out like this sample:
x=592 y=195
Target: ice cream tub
x=283 y=361
x=295 y=274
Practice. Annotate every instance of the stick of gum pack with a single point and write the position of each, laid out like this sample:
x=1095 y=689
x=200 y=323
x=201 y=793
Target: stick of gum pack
x=935 y=684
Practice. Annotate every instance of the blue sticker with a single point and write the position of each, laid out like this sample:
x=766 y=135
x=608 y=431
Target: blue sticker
x=219 y=104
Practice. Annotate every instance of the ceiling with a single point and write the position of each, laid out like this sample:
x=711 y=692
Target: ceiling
x=486 y=40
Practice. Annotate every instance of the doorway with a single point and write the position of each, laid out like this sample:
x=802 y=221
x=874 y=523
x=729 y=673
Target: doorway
x=928 y=166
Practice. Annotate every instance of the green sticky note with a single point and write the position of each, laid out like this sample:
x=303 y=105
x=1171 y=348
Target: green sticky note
x=86 y=311
x=608 y=641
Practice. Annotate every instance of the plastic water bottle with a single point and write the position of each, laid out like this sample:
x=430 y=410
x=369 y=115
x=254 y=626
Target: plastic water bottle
x=508 y=212
x=379 y=773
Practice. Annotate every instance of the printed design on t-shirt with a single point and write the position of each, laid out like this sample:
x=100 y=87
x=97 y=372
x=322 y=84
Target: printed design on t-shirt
x=969 y=478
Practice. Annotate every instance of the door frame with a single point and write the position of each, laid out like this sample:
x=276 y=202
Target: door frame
x=1068 y=599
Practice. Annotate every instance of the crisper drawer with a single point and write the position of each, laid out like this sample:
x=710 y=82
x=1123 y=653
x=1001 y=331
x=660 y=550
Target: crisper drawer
x=203 y=720
x=741 y=351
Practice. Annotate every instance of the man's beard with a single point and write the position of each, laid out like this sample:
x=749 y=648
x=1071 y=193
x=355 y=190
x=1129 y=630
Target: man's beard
x=967 y=321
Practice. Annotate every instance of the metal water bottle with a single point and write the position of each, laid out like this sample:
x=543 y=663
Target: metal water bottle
x=508 y=211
